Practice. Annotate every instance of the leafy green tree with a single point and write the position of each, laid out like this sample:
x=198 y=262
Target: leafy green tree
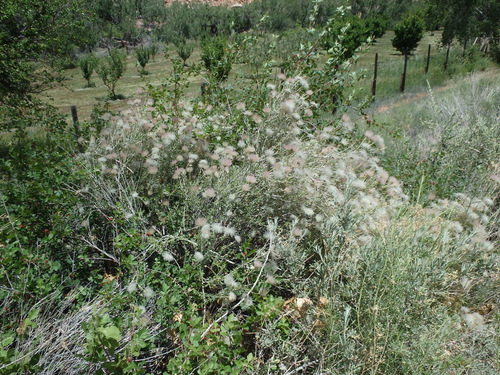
x=88 y=64
x=32 y=32
x=350 y=32
x=390 y=9
x=116 y=18
x=217 y=58
x=376 y=26
x=111 y=69
x=32 y=35
x=432 y=17
x=468 y=19
x=184 y=50
x=143 y=55
x=408 y=34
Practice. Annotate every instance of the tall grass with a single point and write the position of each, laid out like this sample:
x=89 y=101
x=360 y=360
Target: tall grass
x=450 y=139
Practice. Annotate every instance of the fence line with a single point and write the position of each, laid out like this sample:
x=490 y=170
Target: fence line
x=402 y=84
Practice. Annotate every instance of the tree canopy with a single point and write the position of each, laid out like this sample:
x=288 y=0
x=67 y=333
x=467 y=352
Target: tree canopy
x=466 y=19
x=31 y=30
x=408 y=34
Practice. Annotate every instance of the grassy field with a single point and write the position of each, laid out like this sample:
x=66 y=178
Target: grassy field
x=390 y=67
x=73 y=90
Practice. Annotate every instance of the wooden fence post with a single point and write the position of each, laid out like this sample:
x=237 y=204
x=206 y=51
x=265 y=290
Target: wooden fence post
x=374 y=83
x=403 y=78
x=76 y=126
x=428 y=59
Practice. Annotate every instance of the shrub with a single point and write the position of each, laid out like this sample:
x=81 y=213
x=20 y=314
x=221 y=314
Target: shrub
x=494 y=52
x=376 y=26
x=184 y=50
x=143 y=55
x=154 y=49
x=349 y=33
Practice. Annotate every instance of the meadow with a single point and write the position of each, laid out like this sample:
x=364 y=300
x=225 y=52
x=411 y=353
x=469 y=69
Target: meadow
x=261 y=228
x=73 y=89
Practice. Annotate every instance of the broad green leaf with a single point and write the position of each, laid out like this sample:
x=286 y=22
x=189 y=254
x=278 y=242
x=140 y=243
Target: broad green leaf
x=111 y=332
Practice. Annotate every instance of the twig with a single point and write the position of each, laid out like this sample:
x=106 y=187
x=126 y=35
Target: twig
x=300 y=368
x=94 y=246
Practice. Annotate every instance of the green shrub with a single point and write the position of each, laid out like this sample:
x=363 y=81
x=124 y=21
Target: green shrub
x=376 y=26
x=494 y=52
x=349 y=33
x=143 y=55
x=184 y=50
x=154 y=49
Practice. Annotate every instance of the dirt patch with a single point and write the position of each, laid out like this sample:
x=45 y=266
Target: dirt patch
x=415 y=97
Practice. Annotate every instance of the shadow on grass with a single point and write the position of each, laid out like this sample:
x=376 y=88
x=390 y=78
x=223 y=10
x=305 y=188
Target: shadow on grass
x=110 y=98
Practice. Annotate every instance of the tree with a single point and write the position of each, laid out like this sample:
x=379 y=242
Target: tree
x=217 y=58
x=468 y=19
x=143 y=55
x=32 y=31
x=88 y=64
x=111 y=69
x=184 y=50
x=408 y=34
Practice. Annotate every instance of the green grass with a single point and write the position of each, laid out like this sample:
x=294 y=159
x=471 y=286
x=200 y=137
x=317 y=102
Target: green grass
x=391 y=63
x=73 y=90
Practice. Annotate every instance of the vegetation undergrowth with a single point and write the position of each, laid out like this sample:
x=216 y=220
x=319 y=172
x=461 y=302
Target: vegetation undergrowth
x=262 y=230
